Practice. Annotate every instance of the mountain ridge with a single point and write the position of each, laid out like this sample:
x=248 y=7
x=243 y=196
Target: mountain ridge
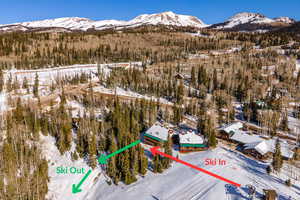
x=243 y=21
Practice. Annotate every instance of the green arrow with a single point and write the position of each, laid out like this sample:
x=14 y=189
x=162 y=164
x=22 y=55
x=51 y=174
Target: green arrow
x=103 y=158
x=76 y=188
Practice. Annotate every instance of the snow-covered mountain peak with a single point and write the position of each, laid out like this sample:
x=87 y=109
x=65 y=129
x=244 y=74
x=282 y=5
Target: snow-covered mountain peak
x=244 y=18
x=247 y=17
x=168 y=18
x=254 y=20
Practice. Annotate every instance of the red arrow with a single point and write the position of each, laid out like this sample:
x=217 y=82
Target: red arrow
x=154 y=151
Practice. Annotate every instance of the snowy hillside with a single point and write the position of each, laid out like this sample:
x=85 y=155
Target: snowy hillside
x=12 y=28
x=77 y=23
x=177 y=183
x=74 y=23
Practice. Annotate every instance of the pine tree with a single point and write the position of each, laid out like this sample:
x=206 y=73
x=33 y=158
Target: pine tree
x=212 y=141
x=125 y=168
x=80 y=142
x=9 y=86
x=277 y=158
x=18 y=114
x=36 y=86
x=180 y=93
x=168 y=150
x=177 y=114
x=111 y=167
x=1 y=80
x=215 y=80
x=92 y=147
x=143 y=162
x=284 y=122
x=156 y=163
x=193 y=77
x=202 y=76
x=207 y=127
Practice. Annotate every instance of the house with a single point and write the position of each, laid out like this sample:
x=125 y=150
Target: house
x=228 y=130
x=189 y=142
x=242 y=137
x=264 y=149
x=156 y=135
x=259 y=150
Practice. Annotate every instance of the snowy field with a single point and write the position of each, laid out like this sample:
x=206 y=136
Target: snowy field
x=177 y=183
x=49 y=75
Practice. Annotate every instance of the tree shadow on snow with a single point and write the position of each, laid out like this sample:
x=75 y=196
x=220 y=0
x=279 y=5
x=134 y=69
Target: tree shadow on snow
x=154 y=197
x=257 y=195
x=296 y=187
x=232 y=190
x=280 y=197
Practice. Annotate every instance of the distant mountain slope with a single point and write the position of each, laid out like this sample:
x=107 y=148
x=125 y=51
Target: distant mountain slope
x=246 y=21
x=74 y=23
x=294 y=28
x=83 y=24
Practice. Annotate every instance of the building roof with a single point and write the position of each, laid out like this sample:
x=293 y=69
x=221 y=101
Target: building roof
x=158 y=131
x=266 y=146
x=190 y=138
x=261 y=147
x=232 y=127
x=245 y=138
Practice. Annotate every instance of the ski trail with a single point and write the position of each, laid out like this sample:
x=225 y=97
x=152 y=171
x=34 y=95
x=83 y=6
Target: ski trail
x=191 y=187
x=194 y=190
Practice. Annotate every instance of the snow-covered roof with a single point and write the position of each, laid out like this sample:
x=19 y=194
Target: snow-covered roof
x=245 y=138
x=190 y=138
x=232 y=127
x=158 y=131
x=266 y=146
x=261 y=147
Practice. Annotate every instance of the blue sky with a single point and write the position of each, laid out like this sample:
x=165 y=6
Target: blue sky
x=210 y=11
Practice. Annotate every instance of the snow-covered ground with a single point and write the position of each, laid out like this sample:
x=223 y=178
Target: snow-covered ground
x=2 y=101
x=177 y=183
x=183 y=183
x=294 y=125
x=121 y=92
x=60 y=185
x=49 y=75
